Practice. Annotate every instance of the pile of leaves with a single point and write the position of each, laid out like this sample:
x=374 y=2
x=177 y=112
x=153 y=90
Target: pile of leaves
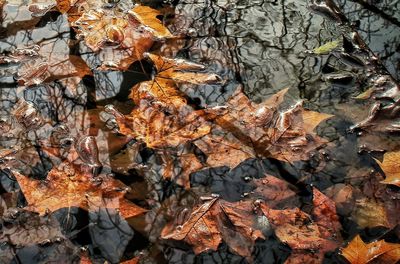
x=93 y=185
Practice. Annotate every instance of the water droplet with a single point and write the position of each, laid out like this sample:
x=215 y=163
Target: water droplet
x=88 y=151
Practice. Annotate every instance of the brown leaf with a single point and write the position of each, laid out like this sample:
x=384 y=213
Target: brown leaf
x=215 y=221
x=70 y=186
x=148 y=17
x=159 y=125
x=357 y=252
x=273 y=191
x=391 y=168
x=47 y=62
x=304 y=233
x=119 y=37
x=325 y=216
x=179 y=168
x=284 y=135
x=219 y=146
x=370 y=213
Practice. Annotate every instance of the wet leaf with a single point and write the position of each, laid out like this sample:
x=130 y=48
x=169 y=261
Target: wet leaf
x=148 y=17
x=391 y=168
x=120 y=38
x=215 y=221
x=358 y=252
x=68 y=187
x=27 y=228
x=327 y=47
x=284 y=135
x=370 y=213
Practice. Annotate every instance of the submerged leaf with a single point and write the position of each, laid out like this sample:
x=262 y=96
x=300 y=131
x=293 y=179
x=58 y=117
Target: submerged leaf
x=71 y=187
x=215 y=221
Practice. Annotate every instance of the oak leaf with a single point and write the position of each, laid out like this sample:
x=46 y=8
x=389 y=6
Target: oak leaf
x=70 y=186
x=358 y=252
x=215 y=221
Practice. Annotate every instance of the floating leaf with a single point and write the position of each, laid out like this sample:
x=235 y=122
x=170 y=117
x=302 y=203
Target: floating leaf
x=327 y=47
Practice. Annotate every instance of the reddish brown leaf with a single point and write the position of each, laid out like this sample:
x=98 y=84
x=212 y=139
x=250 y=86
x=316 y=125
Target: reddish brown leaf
x=273 y=190
x=325 y=216
x=215 y=221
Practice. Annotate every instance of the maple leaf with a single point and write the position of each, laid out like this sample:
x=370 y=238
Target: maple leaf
x=179 y=167
x=215 y=221
x=286 y=135
x=162 y=118
x=69 y=187
x=159 y=125
x=295 y=228
x=120 y=38
x=358 y=252
x=169 y=72
x=391 y=168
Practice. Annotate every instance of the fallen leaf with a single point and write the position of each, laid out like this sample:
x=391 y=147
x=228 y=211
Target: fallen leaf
x=148 y=17
x=159 y=125
x=391 y=168
x=120 y=38
x=358 y=252
x=327 y=47
x=273 y=191
x=325 y=216
x=70 y=187
x=215 y=221
x=370 y=213
x=284 y=135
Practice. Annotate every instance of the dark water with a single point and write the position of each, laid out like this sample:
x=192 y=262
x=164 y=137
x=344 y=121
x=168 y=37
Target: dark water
x=263 y=46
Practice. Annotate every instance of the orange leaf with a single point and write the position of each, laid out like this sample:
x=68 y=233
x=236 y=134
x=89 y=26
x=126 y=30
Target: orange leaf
x=357 y=252
x=72 y=187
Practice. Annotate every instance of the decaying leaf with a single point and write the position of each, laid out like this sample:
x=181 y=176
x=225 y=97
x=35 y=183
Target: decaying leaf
x=70 y=186
x=159 y=125
x=273 y=191
x=120 y=38
x=179 y=167
x=358 y=252
x=283 y=135
x=215 y=221
x=391 y=168
x=169 y=72
x=27 y=228
x=162 y=118
x=47 y=62
x=301 y=233
x=370 y=213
